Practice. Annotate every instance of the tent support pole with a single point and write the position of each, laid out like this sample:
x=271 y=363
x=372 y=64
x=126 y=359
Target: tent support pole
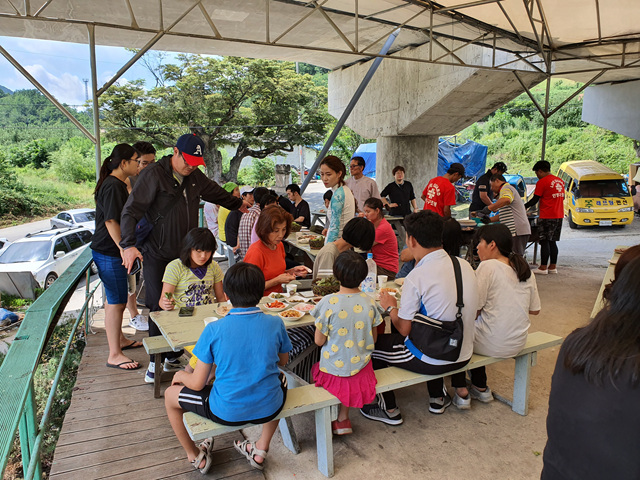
x=94 y=94
x=46 y=93
x=347 y=111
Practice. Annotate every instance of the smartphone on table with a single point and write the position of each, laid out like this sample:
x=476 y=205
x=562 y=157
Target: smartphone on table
x=185 y=311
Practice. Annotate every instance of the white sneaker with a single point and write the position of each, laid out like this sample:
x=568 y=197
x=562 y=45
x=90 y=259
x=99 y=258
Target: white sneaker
x=150 y=374
x=462 y=403
x=140 y=323
x=553 y=270
x=174 y=365
x=537 y=271
x=483 y=396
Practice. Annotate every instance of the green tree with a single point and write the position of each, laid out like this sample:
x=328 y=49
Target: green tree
x=261 y=107
x=34 y=153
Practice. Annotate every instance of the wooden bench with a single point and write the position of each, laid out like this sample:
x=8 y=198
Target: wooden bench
x=308 y=398
x=392 y=378
x=156 y=346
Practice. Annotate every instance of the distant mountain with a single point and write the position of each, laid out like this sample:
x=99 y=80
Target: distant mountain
x=5 y=90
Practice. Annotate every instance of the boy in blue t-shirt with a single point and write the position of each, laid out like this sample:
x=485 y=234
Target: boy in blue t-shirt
x=247 y=346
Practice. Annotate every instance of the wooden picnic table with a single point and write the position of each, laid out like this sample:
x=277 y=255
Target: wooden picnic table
x=181 y=332
x=608 y=278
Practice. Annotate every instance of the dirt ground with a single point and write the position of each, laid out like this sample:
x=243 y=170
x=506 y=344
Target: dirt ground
x=489 y=441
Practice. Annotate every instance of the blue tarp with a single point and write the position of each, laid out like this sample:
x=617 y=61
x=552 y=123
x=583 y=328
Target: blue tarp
x=472 y=155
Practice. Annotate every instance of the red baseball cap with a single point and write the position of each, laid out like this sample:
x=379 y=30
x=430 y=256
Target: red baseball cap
x=192 y=148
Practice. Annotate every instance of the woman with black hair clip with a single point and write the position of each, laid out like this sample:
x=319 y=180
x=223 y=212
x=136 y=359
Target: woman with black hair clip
x=593 y=419
x=507 y=294
x=110 y=196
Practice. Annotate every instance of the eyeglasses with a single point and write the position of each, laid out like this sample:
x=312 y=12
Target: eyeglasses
x=354 y=165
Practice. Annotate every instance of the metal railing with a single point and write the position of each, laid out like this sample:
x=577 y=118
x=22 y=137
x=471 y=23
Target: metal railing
x=18 y=410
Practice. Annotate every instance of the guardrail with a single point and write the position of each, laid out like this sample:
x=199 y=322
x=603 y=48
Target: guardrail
x=18 y=411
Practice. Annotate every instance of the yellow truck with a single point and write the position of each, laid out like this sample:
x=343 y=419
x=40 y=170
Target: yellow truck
x=595 y=195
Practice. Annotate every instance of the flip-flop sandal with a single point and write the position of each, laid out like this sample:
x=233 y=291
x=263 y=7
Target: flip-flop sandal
x=132 y=345
x=203 y=455
x=242 y=448
x=119 y=365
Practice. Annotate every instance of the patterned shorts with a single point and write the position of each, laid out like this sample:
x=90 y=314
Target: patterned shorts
x=549 y=229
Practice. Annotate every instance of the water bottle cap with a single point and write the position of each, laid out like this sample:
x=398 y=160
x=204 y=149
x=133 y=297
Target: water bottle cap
x=369 y=255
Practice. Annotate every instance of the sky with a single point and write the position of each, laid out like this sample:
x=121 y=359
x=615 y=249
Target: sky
x=61 y=67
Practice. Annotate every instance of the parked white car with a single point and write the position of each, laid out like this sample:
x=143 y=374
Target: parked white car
x=85 y=217
x=46 y=254
x=4 y=243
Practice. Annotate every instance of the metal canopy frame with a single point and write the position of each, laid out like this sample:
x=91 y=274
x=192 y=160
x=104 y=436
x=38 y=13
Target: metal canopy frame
x=425 y=22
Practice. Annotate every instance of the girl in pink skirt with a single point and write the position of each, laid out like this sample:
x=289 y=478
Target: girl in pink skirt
x=345 y=330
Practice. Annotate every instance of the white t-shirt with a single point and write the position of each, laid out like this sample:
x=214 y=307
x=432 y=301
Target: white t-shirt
x=432 y=283
x=503 y=323
x=211 y=216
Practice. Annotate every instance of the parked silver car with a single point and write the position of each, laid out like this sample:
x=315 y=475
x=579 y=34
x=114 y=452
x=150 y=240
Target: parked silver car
x=85 y=217
x=46 y=254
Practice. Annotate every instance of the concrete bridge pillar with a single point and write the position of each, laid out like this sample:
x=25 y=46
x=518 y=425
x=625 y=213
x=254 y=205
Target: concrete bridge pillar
x=408 y=104
x=417 y=154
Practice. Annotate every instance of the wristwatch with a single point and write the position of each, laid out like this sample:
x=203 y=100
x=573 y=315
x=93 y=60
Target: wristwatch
x=389 y=308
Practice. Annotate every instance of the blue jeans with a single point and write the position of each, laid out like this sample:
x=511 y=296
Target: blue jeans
x=113 y=276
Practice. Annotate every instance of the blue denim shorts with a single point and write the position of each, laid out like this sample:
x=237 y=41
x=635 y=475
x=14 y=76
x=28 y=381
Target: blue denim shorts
x=113 y=276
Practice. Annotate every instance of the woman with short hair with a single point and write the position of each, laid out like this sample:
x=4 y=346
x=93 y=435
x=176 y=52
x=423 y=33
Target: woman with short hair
x=273 y=226
x=402 y=199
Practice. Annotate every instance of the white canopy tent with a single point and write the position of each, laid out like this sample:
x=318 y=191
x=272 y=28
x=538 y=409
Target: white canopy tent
x=584 y=40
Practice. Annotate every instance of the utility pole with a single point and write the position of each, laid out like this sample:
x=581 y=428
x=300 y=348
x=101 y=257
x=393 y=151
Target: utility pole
x=86 y=89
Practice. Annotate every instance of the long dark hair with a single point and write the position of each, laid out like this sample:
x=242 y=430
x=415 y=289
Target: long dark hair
x=501 y=235
x=611 y=342
x=628 y=255
x=120 y=153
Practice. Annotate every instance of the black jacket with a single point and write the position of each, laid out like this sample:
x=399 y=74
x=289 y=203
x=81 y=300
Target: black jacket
x=156 y=188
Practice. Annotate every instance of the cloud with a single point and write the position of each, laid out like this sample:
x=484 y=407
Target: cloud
x=66 y=88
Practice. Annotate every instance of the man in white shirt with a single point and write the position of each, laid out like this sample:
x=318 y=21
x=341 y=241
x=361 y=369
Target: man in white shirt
x=362 y=187
x=430 y=289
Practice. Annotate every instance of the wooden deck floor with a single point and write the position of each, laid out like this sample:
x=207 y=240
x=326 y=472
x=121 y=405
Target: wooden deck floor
x=115 y=429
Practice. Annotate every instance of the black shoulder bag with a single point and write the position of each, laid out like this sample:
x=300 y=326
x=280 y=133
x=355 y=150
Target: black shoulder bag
x=144 y=226
x=435 y=338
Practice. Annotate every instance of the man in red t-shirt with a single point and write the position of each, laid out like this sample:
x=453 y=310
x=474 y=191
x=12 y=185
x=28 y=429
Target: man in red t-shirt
x=550 y=193
x=440 y=194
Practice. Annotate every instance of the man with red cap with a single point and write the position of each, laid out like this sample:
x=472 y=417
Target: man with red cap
x=167 y=196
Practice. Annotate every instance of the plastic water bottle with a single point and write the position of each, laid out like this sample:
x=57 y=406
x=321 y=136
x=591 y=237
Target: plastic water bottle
x=368 y=285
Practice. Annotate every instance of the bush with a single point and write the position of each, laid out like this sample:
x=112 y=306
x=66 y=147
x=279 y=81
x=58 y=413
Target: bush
x=262 y=172
x=73 y=163
x=35 y=153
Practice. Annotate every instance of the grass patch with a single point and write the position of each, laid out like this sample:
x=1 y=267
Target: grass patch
x=40 y=194
x=43 y=378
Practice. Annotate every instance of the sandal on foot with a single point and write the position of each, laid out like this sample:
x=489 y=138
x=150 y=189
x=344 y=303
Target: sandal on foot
x=207 y=445
x=242 y=447
x=203 y=455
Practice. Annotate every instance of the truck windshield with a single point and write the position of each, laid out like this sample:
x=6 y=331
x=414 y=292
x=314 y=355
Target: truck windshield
x=602 y=188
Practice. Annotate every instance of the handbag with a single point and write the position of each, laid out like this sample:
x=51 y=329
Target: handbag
x=144 y=227
x=435 y=338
